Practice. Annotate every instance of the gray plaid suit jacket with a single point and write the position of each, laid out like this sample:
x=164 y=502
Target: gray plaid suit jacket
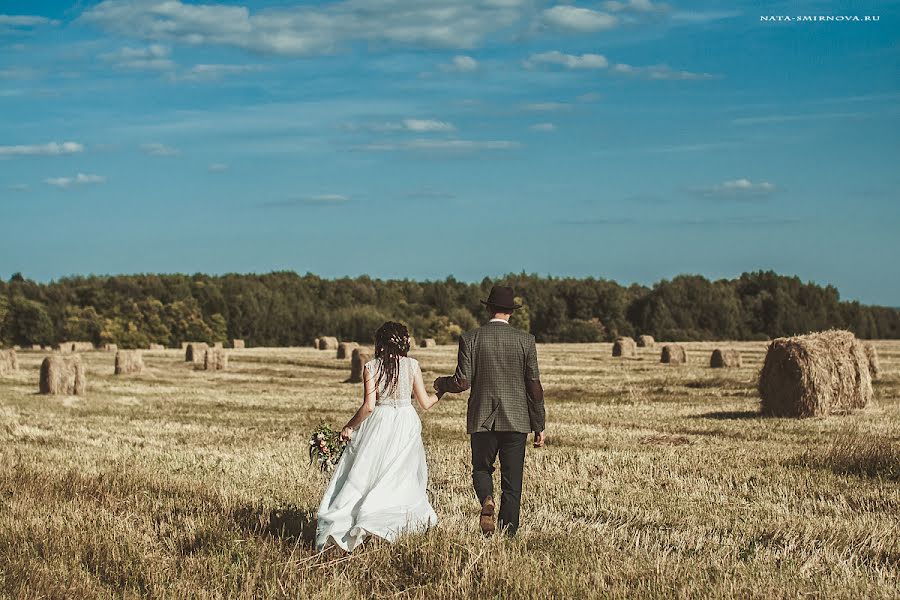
x=499 y=364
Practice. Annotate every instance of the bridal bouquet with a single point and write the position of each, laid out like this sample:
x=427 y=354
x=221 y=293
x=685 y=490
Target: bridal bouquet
x=325 y=447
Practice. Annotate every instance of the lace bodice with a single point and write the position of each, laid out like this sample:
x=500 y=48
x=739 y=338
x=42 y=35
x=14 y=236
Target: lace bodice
x=408 y=369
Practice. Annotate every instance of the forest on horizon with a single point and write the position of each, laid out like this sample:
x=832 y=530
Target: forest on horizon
x=288 y=309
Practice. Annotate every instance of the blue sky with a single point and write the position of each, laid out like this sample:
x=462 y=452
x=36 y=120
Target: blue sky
x=632 y=140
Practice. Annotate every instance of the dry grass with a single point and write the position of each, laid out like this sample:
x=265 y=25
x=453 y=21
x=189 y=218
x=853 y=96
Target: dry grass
x=655 y=482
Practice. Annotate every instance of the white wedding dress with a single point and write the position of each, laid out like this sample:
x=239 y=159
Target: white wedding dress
x=378 y=487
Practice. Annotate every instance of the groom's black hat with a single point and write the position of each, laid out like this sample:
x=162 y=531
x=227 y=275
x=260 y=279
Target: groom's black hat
x=502 y=297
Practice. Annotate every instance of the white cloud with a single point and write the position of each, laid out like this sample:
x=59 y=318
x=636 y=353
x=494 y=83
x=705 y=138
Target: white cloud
x=569 y=61
x=217 y=167
x=18 y=187
x=50 y=149
x=156 y=149
x=327 y=199
x=547 y=127
x=25 y=21
x=423 y=125
x=578 y=20
x=79 y=179
x=546 y=106
x=214 y=72
x=309 y=29
x=737 y=188
x=638 y=6
x=460 y=64
x=154 y=57
x=660 y=72
x=441 y=145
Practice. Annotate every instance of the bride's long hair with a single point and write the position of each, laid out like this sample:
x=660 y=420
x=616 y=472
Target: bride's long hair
x=391 y=342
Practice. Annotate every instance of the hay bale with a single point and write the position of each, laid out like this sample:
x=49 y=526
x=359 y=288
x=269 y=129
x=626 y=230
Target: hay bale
x=9 y=363
x=184 y=345
x=625 y=347
x=328 y=343
x=725 y=359
x=63 y=376
x=82 y=346
x=65 y=347
x=110 y=347
x=218 y=345
x=215 y=359
x=646 y=341
x=194 y=352
x=316 y=343
x=345 y=349
x=358 y=361
x=238 y=344
x=817 y=374
x=156 y=347
x=872 y=358
x=128 y=362
x=673 y=354
x=36 y=347
x=412 y=342
x=429 y=343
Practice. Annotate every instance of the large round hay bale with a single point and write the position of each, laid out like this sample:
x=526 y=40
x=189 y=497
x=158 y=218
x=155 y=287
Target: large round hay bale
x=194 y=352
x=218 y=345
x=412 y=342
x=110 y=348
x=429 y=343
x=82 y=346
x=345 y=349
x=156 y=347
x=316 y=343
x=872 y=359
x=238 y=344
x=673 y=354
x=328 y=343
x=9 y=363
x=817 y=374
x=63 y=376
x=625 y=347
x=724 y=359
x=129 y=362
x=215 y=359
x=65 y=347
x=358 y=361
x=184 y=345
x=646 y=341
x=36 y=347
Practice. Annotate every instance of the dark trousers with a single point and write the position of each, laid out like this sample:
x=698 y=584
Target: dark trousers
x=510 y=445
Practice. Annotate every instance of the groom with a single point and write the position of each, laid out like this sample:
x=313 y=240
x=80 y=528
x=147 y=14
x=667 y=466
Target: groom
x=499 y=364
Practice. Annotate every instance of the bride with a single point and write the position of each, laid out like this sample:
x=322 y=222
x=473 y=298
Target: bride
x=378 y=487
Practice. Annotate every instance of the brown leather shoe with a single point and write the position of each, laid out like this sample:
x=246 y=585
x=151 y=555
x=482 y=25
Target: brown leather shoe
x=487 y=516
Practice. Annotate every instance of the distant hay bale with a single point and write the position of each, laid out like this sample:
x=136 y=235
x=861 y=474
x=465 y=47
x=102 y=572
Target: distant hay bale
x=328 y=343
x=345 y=349
x=872 y=358
x=625 y=347
x=218 y=345
x=184 y=345
x=110 y=347
x=358 y=361
x=429 y=343
x=193 y=352
x=129 y=362
x=724 y=359
x=813 y=375
x=65 y=347
x=215 y=359
x=36 y=347
x=646 y=341
x=316 y=343
x=412 y=342
x=82 y=346
x=63 y=376
x=156 y=347
x=673 y=354
x=9 y=363
x=238 y=344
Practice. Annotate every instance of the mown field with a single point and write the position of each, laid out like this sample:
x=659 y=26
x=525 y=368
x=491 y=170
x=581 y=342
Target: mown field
x=656 y=481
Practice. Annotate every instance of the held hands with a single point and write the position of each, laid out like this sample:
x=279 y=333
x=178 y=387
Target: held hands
x=538 y=439
x=346 y=434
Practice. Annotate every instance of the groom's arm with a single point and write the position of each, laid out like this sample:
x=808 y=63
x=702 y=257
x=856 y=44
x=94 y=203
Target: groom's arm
x=536 y=413
x=461 y=379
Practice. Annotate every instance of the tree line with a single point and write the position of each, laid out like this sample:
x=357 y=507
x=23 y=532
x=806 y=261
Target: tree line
x=288 y=309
